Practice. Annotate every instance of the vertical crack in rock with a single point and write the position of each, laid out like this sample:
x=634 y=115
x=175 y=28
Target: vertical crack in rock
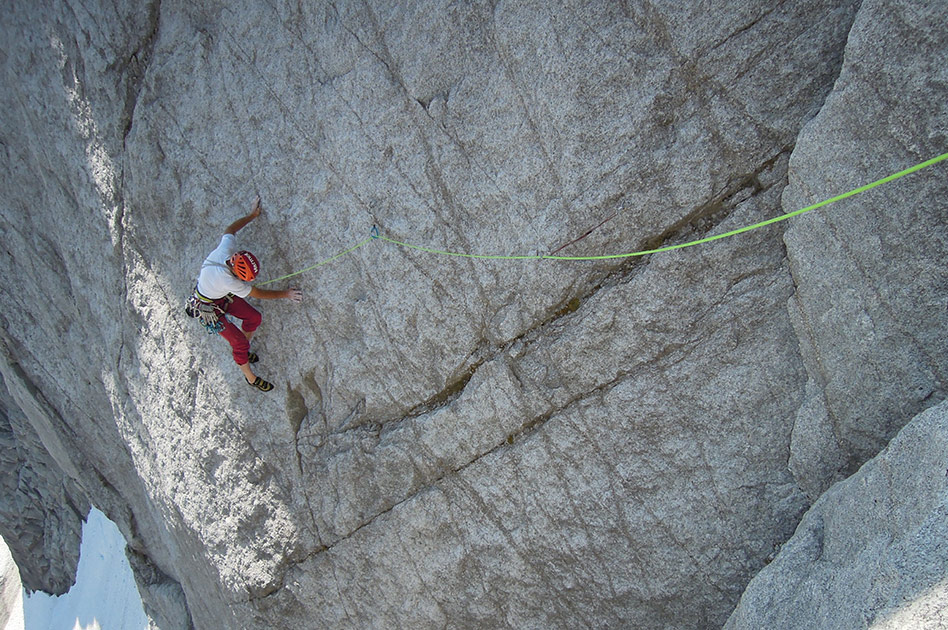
x=741 y=30
x=137 y=65
x=134 y=69
x=804 y=331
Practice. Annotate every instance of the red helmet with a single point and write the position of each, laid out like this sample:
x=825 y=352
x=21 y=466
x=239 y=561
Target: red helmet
x=244 y=265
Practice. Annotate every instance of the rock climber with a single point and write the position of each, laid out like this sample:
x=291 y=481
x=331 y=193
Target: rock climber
x=223 y=284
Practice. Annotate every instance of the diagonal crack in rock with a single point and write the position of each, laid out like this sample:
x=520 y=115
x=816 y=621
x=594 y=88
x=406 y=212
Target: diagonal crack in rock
x=429 y=474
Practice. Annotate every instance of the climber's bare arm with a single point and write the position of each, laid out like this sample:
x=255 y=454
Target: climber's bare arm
x=237 y=225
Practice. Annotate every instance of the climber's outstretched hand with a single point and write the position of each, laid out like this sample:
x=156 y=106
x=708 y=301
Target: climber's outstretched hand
x=242 y=222
x=256 y=209
x=294 y=294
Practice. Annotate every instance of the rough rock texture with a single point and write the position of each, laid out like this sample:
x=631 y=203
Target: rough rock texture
x=870 y=306
x=40 y=506
x=873 y=550
x=452 y=442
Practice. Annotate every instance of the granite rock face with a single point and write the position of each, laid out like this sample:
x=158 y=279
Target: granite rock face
x=41 y=507
x=452 y=442
x=869 y=310
x=870 y=305
x=873 y=549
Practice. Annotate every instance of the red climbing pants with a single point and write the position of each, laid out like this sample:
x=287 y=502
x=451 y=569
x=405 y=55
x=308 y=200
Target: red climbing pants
x=251 y=319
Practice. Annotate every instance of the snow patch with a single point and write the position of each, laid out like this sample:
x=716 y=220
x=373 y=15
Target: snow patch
x=104 y=596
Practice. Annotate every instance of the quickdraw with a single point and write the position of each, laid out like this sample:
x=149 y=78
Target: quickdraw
x=206 y=311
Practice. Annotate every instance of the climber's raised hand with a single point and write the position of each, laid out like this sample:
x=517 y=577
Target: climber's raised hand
x=256 y=209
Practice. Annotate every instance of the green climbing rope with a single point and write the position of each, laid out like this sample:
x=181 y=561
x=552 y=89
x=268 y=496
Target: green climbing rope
x=746 y=228
x=320 y=263
x=708 y=239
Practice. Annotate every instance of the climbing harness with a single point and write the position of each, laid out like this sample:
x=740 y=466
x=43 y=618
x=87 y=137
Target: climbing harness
x=206 y=310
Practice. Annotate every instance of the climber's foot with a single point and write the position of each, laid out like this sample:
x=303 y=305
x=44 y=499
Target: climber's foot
x=261 y=384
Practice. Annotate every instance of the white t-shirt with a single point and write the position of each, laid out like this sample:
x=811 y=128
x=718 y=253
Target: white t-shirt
x=216 y=279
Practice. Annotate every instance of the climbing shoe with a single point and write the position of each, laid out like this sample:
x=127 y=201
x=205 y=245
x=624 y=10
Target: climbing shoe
x=252 y=357
x=261 y=384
